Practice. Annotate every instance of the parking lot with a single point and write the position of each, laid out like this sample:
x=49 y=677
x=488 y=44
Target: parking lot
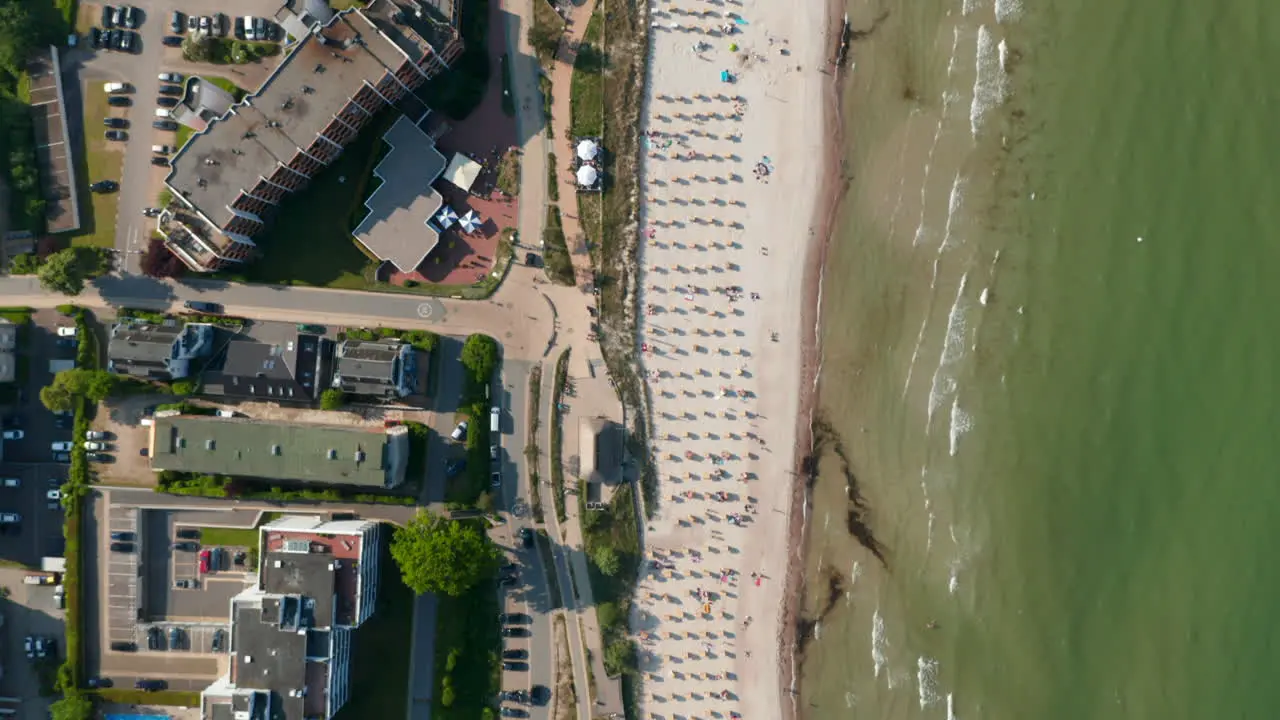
x=29 y=610
x=123 y=577
x=140 y=180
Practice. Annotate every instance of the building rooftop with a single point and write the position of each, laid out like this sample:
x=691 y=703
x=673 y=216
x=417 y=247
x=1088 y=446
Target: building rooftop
x=270 y=643
x=417 y=28
x=317 y=565
x=300 y=98
x=292 y=572
x=397 y=227
x=283 y=371
x=249 y=448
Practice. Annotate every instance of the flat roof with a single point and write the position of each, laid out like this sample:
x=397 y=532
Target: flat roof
x=285 y=115
x=249 y=448
x=396 y=228
x=53 y=146
x=267 y=656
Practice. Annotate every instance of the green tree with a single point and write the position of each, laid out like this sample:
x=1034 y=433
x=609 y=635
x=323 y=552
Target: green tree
x=544 y=38
x=17 y=35
x=94 y=385
x=183 y=387
x=442 y=556
x=332 y=399
x=607 y=560
x=620 y=657
x=24 y=264
x=480 y=356
x=197 y=48
x=62 y=272
x=74 y=706
x=608 y=614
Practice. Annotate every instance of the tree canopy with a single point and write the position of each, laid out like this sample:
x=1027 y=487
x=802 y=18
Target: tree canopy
x=95 y=385
x=63 y=272
x=332 y=399
x=480 y=356
x=75 y=706
x=607 y=560
x=158 y=262
x=444 y=556
x=18 y=35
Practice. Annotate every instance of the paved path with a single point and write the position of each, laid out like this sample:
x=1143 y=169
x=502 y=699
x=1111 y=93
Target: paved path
x=561 y=121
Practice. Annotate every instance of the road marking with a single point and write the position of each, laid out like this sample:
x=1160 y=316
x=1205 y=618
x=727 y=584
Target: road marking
x=424 y=310
x=52 y=144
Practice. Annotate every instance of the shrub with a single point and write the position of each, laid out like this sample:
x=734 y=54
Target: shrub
x=446 y=695
x=332 y=399
x=183 y=387
x=480 y=356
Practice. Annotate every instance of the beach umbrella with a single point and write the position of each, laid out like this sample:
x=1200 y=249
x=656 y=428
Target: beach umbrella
x=587 y=150
x=470 y=222
x=447 y=217
x=587 y=176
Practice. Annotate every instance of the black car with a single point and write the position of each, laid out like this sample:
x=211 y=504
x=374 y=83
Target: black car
x=516 y=654
x=172 y=40
x=532 y=260
x=105 y=186
x=169 y=125
x=540 y=694
x=519 y=696
x=219 y=640
x=122 y=535
x=95 y=38
x=186 y=546
x=515 y=666
x=176 y=24
x=122 y=547
x=200 y=306
x=184 y=583
x=131 y=18
x=150 y=685
x=115 y=122
x=124 y=646
x=166 y=102
x=160 y=160
x=514 y=712
x=176 y=638
x=174 y=90
x=125 y=41
x=526 y=537
x=99 y=682
x=514 y=618
x=189 y=533
x=116 y=135
x=61 y=457
x=515 y=632
x=108 y=16
x=119 y=101
x=495 y=479
x=154 y=636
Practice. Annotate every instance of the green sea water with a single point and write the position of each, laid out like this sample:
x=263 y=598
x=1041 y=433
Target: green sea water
x=1050 y=364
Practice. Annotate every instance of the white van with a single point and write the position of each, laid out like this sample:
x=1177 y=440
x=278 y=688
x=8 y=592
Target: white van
x=113 y=87
x=161 y=149
x=249 y=34
x=163 y=113
x=495 y=420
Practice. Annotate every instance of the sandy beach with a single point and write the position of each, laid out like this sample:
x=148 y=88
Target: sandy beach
x=737 y=133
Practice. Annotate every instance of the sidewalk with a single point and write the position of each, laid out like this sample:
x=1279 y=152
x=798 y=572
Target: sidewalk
x=561 y=115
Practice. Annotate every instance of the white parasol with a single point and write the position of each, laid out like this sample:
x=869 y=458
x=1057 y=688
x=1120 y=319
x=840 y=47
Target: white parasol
x=470 y=222
x=587 y=176
x=587 y=150
x=447 y=217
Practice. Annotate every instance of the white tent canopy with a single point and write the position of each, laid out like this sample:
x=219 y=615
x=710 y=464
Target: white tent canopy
x=462 y=171
x=588 y=150
x=587 y=176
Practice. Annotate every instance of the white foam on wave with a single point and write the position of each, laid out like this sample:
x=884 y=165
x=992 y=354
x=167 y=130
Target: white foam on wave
x=971 y=6
x=954 y=201
x=951 y=707
x=961 y=422
x=953 y=350
x=1003 y=47
x=927 y=680
x=850 y=700
x=937 y=136
x=1007 y=10
x=953 y=578
x=879 y=642
x=988 y=82
x=928 y=506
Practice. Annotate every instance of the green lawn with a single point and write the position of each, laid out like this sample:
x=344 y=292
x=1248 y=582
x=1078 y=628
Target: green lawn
x=468 y=646
x=310 y=242
x=101 y=160
x=236 y=91
x=586 y=99
x=235 y=537
x=380 y=657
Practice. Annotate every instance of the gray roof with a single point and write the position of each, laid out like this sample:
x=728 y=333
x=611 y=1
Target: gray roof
x=249 y=448
x=8 y=342
x=368 y=367
x=288 y=573
x=248 y=367
x=397 y=228
x=268 y=656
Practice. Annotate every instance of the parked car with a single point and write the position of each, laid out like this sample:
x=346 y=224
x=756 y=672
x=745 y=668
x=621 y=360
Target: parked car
x=460 y=432
x=193 y=23
x=154 y=637
x=219 y=642
x=495 y=479
x=204 y=24
x=99 y=682
x=122 y=547
x=29 y=644
x=62 y=446
x=108 y=16
x=170 y=77
x=53 y=494
x=515 y=654
x=186 y=546
x=168 y=125
x=91 y=445
x=116 y=135
x=166 y=102
x=188 y=533
x=151 y=212
x=95 y=38
x=97 y=457
x=313 y=329
x=172 y=40
x=95 y=435
x=150 y=684
x=511 y=712
x=519 y=696
x=40 y=647
x=515 y=632
x=174 y=90
x=120 y=646
x=119 y=124
x=12 y=482
x=176 y=22
x=515 y=666
x=204 y=561
x=117 y=17
x=61 y=457
x=121 y=535
x=176 y=638
x=183 y=583
x=119 y=101
x=125 y=40
x=526 y=537
x=13 y=434
x=160 y=161
x=131 y=19
x=200 y=306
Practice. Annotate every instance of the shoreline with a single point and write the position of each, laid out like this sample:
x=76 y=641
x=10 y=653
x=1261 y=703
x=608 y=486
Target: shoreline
x=831 y=189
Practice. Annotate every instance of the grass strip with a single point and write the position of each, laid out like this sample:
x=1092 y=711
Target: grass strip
x=557 y=469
